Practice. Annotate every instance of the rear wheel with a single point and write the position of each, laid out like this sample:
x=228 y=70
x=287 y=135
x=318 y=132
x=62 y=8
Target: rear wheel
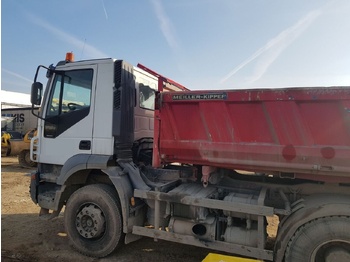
x=93 y=220
x=320 y=240
x=24 y=159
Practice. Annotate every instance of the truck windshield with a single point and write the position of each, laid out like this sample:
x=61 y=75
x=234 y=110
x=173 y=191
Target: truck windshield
x=71 y=92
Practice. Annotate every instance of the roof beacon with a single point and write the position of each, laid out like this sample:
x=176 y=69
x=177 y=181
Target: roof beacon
x=70 y=57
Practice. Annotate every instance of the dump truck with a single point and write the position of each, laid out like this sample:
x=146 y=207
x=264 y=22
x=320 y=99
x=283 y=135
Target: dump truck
x=130 y=153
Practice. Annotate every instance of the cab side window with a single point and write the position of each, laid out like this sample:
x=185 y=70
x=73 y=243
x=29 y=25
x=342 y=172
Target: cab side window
x=147 y=96
x=72 y=91
x=70 y=101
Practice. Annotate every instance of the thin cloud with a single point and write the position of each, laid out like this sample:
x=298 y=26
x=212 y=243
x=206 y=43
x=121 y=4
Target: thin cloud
x=104 y=9
x=16 y=75
x=165 y=24
x=89 y=51
x=272 y=50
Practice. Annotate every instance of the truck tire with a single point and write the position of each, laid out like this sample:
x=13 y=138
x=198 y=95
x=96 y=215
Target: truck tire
x=93 y=220
x=24 y=159
x=322 y=239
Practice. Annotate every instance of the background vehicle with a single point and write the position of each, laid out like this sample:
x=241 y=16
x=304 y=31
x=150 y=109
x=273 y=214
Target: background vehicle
x=119 y=178
x=14 y=144
x=18 y=119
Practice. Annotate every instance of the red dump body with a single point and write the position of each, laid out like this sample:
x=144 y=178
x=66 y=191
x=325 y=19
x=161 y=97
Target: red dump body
x=301 y=132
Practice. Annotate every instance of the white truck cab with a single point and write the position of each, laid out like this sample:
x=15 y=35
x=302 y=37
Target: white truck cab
x=77 y=116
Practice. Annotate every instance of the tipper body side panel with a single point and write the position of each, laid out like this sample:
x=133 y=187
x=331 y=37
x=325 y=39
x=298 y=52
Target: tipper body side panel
x=304 y=131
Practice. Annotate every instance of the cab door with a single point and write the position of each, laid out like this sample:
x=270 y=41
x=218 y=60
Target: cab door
x=68 y=116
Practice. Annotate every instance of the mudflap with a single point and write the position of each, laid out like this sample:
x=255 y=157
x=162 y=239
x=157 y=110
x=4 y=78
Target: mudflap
x=33 y=188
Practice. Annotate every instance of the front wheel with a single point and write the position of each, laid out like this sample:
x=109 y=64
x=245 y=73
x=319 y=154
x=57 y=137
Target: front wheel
x=321 y=240
x=93 y=220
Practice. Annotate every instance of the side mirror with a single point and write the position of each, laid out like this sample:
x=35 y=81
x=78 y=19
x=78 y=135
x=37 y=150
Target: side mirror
x=36 y=93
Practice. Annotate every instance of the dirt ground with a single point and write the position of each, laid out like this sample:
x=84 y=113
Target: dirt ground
x=26 y=237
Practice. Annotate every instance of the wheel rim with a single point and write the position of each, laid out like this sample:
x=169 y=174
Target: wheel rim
x=90 y=222
x=334 y=250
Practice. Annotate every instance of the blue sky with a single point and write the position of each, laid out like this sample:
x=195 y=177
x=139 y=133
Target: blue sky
x=202 y=44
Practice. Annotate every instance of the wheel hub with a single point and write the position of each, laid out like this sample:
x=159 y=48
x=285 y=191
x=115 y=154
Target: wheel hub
x=90 y=222
x=337 y=254
x=335 y=250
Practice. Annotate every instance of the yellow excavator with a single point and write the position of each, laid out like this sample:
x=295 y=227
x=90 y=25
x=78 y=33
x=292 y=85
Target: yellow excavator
x=12 y=146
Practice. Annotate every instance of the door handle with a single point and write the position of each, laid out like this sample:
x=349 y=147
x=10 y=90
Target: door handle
x=85 y=145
